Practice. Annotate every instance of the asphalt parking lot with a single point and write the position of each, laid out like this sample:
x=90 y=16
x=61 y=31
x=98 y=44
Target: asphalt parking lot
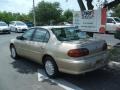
x=23 y=74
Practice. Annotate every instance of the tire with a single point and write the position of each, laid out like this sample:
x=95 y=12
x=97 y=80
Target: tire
x=16 y=31
x=50 y=67
x=9 y=32
x=13 y=52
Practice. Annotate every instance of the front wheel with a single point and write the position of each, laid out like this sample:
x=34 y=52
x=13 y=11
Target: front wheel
x=16 y=31
x=13 y=52
x=50 y=67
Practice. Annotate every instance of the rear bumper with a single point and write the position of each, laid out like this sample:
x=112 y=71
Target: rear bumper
x=83 y=65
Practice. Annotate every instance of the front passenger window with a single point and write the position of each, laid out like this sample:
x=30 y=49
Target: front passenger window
x=41 y=35
x=28 y=34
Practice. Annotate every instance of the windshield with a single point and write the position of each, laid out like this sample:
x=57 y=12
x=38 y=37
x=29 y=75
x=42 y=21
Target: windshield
x=117 y=20
x=3 y=24
x=68 y=34
x=20 y=23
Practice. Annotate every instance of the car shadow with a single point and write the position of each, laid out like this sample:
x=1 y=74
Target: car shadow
x=102 y=79
x=25 y=66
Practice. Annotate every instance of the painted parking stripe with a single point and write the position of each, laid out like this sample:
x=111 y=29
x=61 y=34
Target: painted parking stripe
x=61 y=83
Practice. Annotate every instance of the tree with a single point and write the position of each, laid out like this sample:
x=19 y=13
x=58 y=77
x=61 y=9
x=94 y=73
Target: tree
x=90 y=6
x=82 y=6
x=6 y=16
x=68 y=15
x=9 y=16
x=47 y=12
x=115 y=11
x=112 y=4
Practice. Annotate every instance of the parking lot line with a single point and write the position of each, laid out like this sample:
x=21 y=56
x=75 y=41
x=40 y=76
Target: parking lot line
x=61 y=83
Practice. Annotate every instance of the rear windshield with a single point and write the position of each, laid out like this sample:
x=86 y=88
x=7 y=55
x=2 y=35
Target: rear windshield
x=69 y=34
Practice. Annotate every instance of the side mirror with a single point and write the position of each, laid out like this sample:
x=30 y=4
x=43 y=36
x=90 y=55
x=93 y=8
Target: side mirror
x=114 y=22
x=20 y=38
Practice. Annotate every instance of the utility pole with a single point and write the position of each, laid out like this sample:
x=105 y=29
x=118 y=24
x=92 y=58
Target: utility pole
x=34 y=17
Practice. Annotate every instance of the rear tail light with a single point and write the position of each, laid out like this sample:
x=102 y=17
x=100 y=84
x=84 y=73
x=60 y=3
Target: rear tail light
x=104 y=47
x=78 y=52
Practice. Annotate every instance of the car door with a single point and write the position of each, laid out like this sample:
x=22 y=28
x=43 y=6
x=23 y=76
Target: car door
x=37 y=46
x=22 y=45
x=111 y=26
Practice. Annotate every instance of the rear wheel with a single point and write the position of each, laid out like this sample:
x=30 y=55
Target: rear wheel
x=13 y=52
x=50 y=67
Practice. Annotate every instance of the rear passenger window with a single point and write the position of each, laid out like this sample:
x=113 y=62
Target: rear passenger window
x=41 y=35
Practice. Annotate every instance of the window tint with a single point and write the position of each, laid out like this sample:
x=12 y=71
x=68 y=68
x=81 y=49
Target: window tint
x=41 y=35
x=110 y=20
x=28 y=34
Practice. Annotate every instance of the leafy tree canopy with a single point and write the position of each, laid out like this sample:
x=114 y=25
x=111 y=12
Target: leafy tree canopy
x=47 y=13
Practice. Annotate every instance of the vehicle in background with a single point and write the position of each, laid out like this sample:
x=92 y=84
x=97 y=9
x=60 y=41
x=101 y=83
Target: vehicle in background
x=113 y=24
x=4 y=27
x=61 y=48
x=18 y=26
x=29 y=24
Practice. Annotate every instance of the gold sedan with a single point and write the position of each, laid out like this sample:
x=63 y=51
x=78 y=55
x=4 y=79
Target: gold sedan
x=61 y=48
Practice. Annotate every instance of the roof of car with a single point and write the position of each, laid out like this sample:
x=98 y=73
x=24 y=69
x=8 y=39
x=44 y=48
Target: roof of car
x=51 y=27
x=2 y=21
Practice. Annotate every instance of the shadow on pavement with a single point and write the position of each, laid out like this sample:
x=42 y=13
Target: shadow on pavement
x=25 y=66
x=104 y=79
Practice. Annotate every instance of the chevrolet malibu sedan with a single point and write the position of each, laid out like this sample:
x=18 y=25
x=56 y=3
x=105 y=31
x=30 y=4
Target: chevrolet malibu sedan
x=60 y=49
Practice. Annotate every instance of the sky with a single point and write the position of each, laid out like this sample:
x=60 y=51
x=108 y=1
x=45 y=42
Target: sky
x=24 y=6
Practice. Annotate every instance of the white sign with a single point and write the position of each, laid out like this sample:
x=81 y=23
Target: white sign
x=88 y=20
